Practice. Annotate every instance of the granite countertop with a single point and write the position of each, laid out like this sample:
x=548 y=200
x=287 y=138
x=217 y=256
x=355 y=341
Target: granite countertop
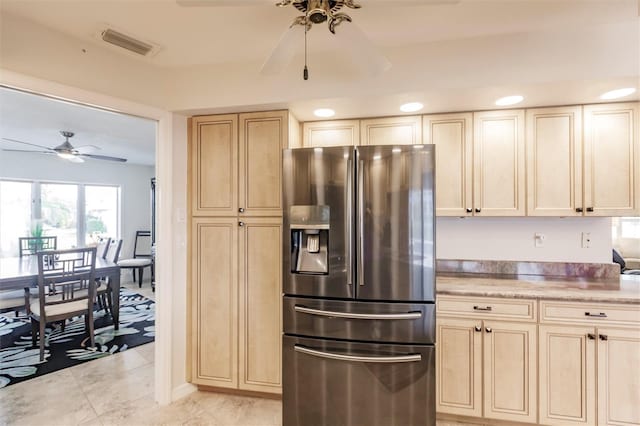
x=624 y=290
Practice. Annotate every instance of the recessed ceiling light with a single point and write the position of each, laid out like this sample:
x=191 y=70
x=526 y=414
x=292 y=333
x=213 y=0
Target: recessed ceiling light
x=317 y=150
x=377 y=157
x=324 y=112
x=396 y=150
x=509 y=100
x=411 y=107
x=618 y=93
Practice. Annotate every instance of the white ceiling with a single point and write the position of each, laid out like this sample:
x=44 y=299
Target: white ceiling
x=451 y=57
x=39 y=120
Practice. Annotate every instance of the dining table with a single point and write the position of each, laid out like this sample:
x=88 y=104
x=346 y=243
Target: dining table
x=22 y=272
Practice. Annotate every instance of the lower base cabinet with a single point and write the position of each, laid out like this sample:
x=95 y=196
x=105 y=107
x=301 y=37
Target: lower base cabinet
x=236 y=290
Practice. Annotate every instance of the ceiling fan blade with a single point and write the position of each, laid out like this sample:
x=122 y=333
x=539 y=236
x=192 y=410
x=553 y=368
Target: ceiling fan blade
x=87 y=149
x=223 y=3
x=103 y=157
x=27 y=150
x=284 y=51
x=406 y=2
x=27 y=143
x=365 y=54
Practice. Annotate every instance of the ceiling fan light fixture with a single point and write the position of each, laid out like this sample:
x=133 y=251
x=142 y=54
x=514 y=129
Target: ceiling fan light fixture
x=411 y=107
x=510 y=100
x=618 y=93
x=66 y=155
x=324 y=112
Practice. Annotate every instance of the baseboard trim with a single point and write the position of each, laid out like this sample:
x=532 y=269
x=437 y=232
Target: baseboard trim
x=182 y=391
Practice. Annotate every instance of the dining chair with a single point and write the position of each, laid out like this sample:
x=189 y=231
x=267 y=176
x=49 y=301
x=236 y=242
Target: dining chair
x=140 y=260
x=102 y=247
x=66 y=289
x=104 y=290
x=30 y=245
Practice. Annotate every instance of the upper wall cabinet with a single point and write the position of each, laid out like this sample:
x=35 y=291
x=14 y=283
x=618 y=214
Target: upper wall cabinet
x=554 y=161
x=331 y=133
x=453 y=136
x=611 y=160
x=499 y=166
x=236 y=163
x=213 y=159
x=403 y=130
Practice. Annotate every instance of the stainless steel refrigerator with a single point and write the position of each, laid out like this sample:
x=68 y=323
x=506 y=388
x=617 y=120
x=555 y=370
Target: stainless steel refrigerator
x=359 y=286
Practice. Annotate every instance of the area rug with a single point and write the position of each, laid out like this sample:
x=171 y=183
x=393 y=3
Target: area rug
x=20 y=361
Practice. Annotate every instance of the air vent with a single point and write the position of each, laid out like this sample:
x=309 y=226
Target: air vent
x=126 y=42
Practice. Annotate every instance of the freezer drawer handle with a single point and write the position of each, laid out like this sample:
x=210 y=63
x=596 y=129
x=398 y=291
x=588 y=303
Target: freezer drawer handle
x=352 y=315
x=597 y=315
x=357 y=358
x=482 y=308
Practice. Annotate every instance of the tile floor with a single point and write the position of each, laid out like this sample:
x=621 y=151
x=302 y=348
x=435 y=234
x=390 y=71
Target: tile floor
x=118 y=390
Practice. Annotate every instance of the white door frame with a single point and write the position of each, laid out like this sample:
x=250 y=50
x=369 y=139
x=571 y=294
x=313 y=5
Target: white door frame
x=164 y=174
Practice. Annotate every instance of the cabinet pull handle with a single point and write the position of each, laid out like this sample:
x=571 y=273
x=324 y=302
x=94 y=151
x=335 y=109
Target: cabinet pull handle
x=591 y=336
x=603 y=337
x=590 y=209
x=578 y=209
x=488 y=329
x=477 y=210
x=240 y=223
x=478 y=328
x=469 y=210
x=597 y=315
x=482 y=308
x=241 y=209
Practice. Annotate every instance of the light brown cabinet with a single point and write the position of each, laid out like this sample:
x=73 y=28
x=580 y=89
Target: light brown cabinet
x=331 y=133
x=401 y=130
x=235 y=249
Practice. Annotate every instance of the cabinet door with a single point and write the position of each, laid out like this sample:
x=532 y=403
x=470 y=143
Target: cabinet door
x=459 y=366
x=214 y=301
x=263 y=135
x=510 y=371
x=213 y=158
x=404 y=130
x=261 y=305
x=567 y=375
x=554 y=161
x=452 y=134
x=611 y=159
x=498 y=151
x=618 y=376
x=331 y=133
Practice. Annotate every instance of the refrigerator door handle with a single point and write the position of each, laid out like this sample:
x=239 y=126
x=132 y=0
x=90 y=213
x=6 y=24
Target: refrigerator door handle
x=360 y=270
x=359 y=358
x=349 y=223
x=353 y=315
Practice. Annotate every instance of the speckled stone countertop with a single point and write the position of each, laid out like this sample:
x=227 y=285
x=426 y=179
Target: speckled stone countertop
x=624 y=290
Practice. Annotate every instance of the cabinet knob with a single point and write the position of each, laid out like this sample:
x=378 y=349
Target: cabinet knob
x=578 y=209
x=469 y=210
x=477 y=210
x=478 y=328
x=240 y=223
x=591 y=336
x=603 y=337
x=241 y=209
x=590 y=209
x=488 y=329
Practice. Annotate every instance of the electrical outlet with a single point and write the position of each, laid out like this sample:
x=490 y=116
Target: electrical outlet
x=586 y=239
x=538 y=239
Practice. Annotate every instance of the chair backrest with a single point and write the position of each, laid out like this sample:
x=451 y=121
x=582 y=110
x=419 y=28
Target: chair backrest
x=31 y=245
x=113 y=251
x=142 y=244
x=66 y=276
x=102 y=247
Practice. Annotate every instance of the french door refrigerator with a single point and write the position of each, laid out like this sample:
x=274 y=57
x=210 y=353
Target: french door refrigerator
x=359 y=286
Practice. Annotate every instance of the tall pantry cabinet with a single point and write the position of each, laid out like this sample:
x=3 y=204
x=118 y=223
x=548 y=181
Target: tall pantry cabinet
x=235 y=249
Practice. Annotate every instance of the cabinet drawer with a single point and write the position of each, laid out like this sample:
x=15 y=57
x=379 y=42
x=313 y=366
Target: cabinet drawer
x=591 y=313
x=487 y=307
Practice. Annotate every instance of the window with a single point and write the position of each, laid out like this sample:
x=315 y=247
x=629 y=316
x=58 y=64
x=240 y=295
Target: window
x=77 y=214
x=625 y=232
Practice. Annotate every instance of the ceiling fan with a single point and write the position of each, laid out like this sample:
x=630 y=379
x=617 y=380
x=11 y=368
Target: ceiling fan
x=362 y=50
x=66 y=150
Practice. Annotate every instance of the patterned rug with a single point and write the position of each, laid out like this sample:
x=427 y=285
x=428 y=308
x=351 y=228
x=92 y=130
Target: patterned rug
x=20 y=361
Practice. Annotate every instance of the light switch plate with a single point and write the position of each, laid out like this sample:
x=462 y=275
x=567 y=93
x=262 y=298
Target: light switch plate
x=586 y=239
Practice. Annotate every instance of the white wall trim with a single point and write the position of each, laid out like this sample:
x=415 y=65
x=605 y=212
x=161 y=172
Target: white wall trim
x=164 y=267
x=182 y=391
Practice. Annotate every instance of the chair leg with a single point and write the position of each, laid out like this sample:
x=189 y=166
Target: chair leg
x=62 y=324
x=110 y=303
x=42 y=324
x=140 y=276
x=34 y=332
x=133 y=272
x=89 y=316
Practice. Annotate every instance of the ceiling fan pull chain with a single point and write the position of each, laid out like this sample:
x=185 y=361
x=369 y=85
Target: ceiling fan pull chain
x=305 y=72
